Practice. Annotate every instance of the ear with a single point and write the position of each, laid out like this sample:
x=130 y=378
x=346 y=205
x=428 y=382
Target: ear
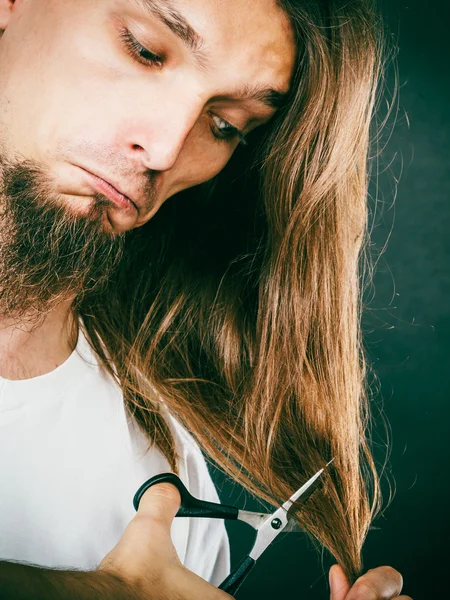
x=6 y=9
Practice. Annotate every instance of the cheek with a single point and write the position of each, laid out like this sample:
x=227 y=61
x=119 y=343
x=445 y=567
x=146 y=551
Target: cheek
x=41 y=91
x=202 y=157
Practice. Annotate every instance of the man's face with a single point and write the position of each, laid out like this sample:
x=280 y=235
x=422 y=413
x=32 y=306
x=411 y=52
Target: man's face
x=145 y=94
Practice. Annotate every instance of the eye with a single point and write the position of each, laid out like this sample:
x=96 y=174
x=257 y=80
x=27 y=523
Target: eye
x=138 y=52
x=224 y=131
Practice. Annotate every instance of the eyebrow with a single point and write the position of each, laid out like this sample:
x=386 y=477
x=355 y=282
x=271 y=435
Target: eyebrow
x=272 y=98
x=175 y=21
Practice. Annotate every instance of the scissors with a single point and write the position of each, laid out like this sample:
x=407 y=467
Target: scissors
x=268 y=525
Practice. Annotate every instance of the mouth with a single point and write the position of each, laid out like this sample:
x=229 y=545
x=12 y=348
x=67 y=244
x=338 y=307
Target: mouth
x=110 y=192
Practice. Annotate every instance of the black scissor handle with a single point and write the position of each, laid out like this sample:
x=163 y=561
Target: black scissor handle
x=236 y=578
x=190 y=506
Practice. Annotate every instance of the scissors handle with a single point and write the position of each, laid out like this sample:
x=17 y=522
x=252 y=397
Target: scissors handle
x=190 y=506
x=235 y=579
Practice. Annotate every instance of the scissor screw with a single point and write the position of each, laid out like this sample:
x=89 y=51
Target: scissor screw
x=276 y=523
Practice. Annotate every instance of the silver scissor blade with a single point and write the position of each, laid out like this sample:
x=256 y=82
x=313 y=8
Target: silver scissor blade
x=306 y=490
x=252 y=518
x=293 y=527
x=278 y=521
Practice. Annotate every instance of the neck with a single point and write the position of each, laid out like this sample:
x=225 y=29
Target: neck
x=27 y=350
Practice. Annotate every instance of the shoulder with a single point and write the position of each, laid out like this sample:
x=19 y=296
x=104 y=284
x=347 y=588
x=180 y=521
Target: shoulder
x=208 y=550
x=193 y=467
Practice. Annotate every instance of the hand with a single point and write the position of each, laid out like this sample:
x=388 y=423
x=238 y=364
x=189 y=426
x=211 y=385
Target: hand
x=382 y=583
x=146 y=559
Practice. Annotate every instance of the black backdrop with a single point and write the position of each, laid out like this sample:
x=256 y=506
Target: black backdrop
x=407 y=330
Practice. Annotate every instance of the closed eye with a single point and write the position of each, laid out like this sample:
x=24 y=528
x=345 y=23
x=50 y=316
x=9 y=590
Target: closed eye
x=138 y=52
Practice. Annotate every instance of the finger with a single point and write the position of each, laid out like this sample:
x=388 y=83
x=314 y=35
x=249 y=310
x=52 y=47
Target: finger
x=146 y=540
x=161 y=503
x=339 y=585
x=382 y=583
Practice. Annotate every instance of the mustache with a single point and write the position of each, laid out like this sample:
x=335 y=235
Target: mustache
x=140 y=185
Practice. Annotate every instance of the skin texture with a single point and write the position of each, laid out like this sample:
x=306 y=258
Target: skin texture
x=57 y=110
x=152 y=148
x=73 y=99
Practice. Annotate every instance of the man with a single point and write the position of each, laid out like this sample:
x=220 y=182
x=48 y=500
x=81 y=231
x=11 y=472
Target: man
x=107 y=109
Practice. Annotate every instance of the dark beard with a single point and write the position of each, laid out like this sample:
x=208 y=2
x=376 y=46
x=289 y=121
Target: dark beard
x=48 y=254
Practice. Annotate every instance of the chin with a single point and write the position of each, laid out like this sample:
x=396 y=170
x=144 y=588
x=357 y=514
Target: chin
x=80 y=205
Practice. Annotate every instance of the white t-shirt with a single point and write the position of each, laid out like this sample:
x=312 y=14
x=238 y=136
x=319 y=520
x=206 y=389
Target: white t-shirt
x=71 y=460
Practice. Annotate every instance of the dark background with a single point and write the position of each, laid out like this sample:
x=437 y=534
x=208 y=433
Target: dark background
x=407 y=331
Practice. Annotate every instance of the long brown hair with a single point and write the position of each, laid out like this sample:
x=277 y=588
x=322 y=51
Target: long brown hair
x=238 y=304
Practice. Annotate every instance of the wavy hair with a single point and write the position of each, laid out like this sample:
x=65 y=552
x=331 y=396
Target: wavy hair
x=237 y=307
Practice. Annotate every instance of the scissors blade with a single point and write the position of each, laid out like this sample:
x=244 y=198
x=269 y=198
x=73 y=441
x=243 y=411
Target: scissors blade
x=293 y=527
x=275 y=523
x=252 y=518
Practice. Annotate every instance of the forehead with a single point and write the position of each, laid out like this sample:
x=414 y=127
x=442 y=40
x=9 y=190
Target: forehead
x=249 y=37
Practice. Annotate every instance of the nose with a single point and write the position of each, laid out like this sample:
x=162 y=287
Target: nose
x=159 y=137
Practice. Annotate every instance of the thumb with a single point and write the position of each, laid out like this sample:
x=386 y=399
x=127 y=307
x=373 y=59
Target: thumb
x=161 y=503
x=146 y=546
x=339 y=585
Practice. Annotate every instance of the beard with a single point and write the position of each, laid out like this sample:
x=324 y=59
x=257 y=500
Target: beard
x=48 y=254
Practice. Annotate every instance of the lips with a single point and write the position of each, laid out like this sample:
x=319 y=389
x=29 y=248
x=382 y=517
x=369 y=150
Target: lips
x=111 y=192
